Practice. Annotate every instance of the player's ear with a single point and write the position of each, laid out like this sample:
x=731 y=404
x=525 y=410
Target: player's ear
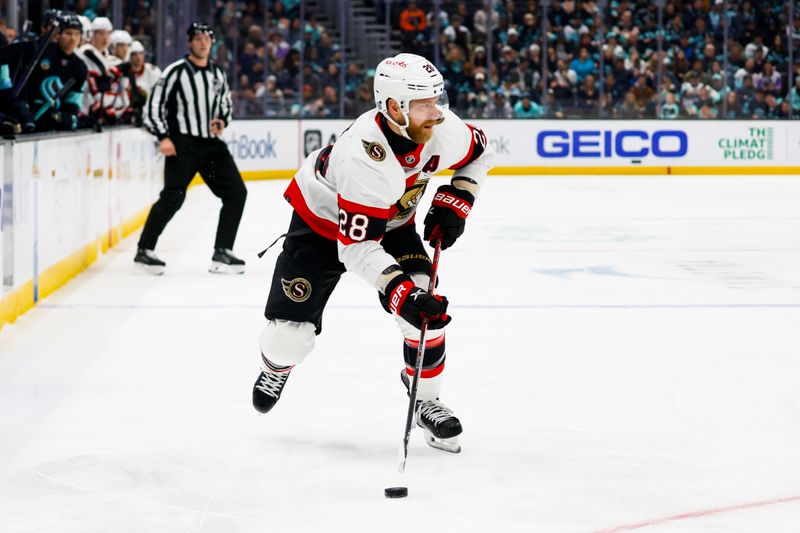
x=394 y=108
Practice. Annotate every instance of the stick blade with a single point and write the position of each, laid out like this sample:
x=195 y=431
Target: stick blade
x=402 y=452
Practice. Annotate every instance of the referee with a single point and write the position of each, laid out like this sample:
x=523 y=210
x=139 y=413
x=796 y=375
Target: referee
x=187 y=110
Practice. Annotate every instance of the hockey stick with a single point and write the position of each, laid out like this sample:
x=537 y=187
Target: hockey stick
x=41 y=45
x=412 y=391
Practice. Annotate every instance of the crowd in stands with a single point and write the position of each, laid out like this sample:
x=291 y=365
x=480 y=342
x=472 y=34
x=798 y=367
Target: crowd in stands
x=268 y=79
x=495 y=60
x=695 y=82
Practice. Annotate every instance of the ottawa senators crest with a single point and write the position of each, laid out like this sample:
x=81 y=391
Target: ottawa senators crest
x=297 y=290
x=375 y=151
x=408 y=202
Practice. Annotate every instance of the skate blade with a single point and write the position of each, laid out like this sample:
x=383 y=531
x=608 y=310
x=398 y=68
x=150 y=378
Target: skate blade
x=152 y=270
x=452 y=445
x=222 y=268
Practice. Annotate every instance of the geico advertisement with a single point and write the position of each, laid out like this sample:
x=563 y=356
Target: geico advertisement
x=263 y=144
x=524 y=142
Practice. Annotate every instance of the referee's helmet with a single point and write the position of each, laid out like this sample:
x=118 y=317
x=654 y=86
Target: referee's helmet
x=199 y=27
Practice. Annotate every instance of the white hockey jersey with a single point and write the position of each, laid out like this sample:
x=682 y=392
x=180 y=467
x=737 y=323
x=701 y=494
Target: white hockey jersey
x=358 y=189
x=147 y=78
x=115 y=97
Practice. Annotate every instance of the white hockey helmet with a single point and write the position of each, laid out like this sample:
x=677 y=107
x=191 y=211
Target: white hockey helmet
x=101 y=23
x=87 y=27
x=120 y=37
x=407 y=77
x=137 y=48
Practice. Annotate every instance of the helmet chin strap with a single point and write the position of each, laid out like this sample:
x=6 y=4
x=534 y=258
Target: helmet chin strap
x=402 y=129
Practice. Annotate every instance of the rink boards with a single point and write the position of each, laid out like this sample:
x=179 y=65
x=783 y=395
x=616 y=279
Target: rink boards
x=65 y=200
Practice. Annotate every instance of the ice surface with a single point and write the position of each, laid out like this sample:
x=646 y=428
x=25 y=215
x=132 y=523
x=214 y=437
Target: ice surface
x=623 y=356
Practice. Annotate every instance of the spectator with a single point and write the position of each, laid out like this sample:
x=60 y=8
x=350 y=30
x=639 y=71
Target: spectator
x=690 y=94
x=498 y=107
x=363 y=102
x=527 y=108
x=512 y=39
x=529 y=32
x=643 y=93
x=628 y=109
x=756 y=45
x=768 y=76
x=794 y=97
x=707 y=103
x=552 y=109
x=582 y=65
x=734 y=106
x=588 y=97
x=564 y=82
x=670 y=108
x=758 y=107
x=785 y=110
x=772 y=105
x=458 y=34
x=330 y=100
x=478 y=98
x=412 y=24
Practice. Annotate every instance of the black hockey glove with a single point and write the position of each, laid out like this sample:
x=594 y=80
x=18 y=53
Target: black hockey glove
x=448 y=215
x=412 y=303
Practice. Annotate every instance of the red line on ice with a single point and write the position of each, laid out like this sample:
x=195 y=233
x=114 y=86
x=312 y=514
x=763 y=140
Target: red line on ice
x=700 y=514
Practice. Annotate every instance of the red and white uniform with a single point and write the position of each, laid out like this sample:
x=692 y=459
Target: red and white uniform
x=113 y=100
x=362 y=189
x=147 y=78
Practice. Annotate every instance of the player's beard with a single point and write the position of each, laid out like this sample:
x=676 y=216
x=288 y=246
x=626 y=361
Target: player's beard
x=419 y=133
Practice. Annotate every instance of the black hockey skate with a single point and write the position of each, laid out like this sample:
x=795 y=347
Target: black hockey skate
x=441 y=427
x=147 y=262
x=268 y=387
x=224 y=262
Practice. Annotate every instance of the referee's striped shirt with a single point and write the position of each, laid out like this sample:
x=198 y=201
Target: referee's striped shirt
x=186 y=99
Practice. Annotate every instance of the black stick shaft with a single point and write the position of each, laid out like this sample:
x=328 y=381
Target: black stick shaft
x=412 y=393
x=41 y=46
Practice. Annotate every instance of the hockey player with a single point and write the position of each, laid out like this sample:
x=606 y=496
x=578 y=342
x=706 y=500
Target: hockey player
x=146 y=74
x=44 y=103
x=105 y=99
x=142 y=77
x=354 y=210
x=119 y=48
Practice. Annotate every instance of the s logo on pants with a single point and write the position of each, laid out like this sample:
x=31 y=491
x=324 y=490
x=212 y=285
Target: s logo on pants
x=297 y=290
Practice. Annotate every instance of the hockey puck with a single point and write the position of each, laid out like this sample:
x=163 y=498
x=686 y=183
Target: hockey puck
x=396 y=492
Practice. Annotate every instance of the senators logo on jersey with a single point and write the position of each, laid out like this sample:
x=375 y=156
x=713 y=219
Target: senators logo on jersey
x=297 y=290
x=375 y=151
x=408 y=202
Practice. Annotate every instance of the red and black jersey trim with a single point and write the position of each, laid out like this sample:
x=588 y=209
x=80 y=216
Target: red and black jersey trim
x=477 y=146
x=321 y=226
x=358 y=223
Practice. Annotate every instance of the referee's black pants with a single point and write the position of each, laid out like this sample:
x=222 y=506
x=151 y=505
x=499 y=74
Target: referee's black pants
x=211 y=158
